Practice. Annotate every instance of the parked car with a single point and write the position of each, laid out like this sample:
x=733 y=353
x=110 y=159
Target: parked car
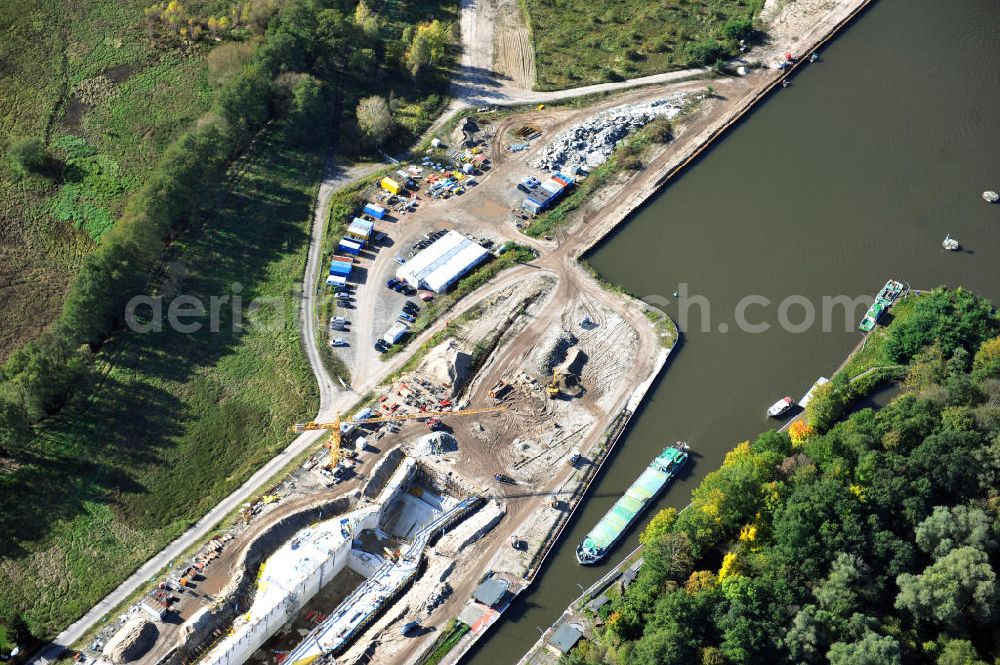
x=337 y=323
x=400 y=260
x=342 y=295
x=381 y=345
x=337 y=341
x=504 y=479
x=406 y=317
x=392 y=283
x=411 y=307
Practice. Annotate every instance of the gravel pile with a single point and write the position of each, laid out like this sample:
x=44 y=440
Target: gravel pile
x=436 y=443
x=590 y=144
x=551 y=351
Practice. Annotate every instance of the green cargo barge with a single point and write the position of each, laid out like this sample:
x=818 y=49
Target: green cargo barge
x=642 y=492
x=883 y=301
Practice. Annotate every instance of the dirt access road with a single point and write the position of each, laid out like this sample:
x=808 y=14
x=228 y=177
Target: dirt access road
x=497 y=67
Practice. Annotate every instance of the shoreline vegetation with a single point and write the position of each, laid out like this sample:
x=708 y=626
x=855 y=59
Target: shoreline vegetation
x=865 y=537
x=112 y=442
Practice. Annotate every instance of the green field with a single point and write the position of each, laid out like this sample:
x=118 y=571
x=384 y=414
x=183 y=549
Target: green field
x=580 y=43
x=106 y=99
x=180 y=420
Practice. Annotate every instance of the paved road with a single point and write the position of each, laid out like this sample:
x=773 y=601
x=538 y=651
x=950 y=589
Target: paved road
x=332 y=397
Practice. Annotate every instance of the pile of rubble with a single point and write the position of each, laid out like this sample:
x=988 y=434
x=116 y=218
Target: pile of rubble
x=446 y=365
x=550 y=351
x=436 y=443
x=590 y=143
x=131 y=642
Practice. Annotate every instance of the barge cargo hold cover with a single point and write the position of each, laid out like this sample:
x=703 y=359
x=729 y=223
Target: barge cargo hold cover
x=638 y=496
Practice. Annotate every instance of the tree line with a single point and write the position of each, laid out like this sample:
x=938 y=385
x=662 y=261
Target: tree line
x=872 y=538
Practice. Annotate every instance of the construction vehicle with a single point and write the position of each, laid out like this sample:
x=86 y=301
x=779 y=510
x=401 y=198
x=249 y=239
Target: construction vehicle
x=564 y=382
x=552 y=390
x=334 y=443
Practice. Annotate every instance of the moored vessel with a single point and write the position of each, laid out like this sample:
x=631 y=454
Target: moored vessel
x=780 y=407
x=883 y=301
x=609 y=530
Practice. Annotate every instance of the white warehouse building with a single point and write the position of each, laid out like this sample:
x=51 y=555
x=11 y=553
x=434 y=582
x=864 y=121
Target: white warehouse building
x=443 y=263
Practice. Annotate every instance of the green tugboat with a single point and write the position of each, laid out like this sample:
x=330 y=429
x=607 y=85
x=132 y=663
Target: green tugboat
x=643 y=491
x=883 y=301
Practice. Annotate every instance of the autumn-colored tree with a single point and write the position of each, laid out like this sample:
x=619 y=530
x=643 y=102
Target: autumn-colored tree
x=799 y=432
x=730 y=565
x=700 y=580
x=429 y=46
x=986 y=364
x=658 y=526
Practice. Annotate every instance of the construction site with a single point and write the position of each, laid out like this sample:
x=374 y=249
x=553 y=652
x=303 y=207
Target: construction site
x=419 y=499
x=438 y=495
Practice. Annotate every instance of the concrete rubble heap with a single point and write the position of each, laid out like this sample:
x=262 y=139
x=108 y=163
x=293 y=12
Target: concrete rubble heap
x=446 y=365
x=435 y=443
x=590 y=143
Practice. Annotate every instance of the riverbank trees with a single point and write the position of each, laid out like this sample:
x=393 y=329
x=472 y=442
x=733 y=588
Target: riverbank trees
x=874 y=541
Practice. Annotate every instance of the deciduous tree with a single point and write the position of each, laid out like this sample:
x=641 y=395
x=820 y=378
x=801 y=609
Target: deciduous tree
x=959 y=586
x=375 y=119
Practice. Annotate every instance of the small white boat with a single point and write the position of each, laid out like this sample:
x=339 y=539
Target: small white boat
x=950 y=244
x=813 y=57
x=990 y=196
x=780 y=407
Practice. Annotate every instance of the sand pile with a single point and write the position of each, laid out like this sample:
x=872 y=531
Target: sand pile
x=446 y=365
x=130 y=643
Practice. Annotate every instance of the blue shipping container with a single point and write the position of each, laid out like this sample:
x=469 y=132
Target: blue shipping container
x=376 y=211
x=349 y=247
x=342 y=268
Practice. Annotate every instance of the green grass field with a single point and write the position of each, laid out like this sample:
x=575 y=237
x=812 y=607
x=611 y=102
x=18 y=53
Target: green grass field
x=580 y=43
x=180 y=420
x=87 y=79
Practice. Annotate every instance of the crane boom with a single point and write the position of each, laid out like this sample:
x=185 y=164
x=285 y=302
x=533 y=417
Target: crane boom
x=334 y=443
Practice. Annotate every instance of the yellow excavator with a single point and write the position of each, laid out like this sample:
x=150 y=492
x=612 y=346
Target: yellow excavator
x=334 y=443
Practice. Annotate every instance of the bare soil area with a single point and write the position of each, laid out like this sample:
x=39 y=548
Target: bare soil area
x=514 y=52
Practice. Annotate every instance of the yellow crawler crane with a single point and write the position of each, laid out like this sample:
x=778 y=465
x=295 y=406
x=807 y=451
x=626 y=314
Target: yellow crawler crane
x=334 y=443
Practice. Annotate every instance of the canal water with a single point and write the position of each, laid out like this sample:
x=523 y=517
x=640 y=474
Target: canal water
x=851 y=175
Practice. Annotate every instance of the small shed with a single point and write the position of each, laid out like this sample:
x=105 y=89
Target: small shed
x=565 y=638
x=341 y=267
x=351 y=247
x=491 y=591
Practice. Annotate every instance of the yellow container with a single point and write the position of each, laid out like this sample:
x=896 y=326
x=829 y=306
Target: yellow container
x=390 y=185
